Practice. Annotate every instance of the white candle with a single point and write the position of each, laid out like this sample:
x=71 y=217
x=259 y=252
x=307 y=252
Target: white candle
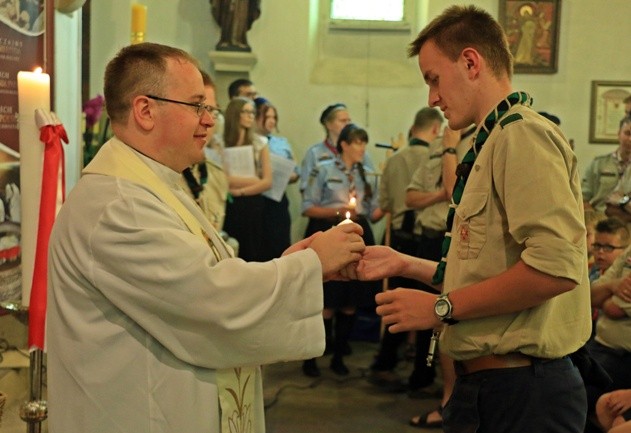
x=33 y=93
x=347 y=220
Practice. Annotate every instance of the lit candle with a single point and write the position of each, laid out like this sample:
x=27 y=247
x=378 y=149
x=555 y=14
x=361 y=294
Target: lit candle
x=33 y=93
x=352 y=202
x=138 y=23
x=347 y=220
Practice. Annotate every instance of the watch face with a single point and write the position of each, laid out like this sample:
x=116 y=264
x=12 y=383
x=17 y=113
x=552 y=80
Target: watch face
x=441 y=308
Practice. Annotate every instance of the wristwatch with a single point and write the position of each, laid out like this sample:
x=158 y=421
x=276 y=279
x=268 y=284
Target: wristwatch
x=444 y=309
x=623 y=201
x=450 y=150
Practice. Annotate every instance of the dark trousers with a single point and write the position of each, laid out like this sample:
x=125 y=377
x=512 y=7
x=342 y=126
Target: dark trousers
x=616 y=363
x=388 y=354
x=547 y=397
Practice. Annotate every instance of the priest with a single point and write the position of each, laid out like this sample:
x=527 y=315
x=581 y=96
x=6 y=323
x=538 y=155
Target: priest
x=153 y=326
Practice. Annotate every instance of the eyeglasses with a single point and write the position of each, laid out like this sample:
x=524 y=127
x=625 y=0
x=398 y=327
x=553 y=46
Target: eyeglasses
x=606 y=247
x=248 y=112
x=200 y=107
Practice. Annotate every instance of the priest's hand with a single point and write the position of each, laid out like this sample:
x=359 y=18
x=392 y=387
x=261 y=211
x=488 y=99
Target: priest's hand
x=300 y=245
x=338 y=248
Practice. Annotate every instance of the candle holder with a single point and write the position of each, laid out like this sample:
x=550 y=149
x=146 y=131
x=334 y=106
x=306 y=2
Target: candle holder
x=34 y=411
x=137 y=37
x=16 y=309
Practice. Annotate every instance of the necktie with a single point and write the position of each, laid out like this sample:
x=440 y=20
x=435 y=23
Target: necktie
x=464 y=168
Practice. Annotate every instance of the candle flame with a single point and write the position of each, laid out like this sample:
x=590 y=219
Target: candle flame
x=38 y=70
x=348 y=215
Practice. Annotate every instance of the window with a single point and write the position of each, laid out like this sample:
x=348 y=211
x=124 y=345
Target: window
x=367 y=10
x=369 y=14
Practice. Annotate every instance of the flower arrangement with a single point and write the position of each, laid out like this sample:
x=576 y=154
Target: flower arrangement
x=92 y=111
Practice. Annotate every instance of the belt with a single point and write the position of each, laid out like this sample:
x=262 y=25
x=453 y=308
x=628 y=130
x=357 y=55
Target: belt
x=431 y=233
x=490 y=362
x=407 y=236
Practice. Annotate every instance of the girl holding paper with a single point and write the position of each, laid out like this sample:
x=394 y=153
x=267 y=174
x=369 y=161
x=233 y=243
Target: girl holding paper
x=244 y=209
x=276 y=218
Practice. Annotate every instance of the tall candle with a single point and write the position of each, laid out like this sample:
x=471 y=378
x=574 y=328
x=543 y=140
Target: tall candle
x=33 y=93
x=138 y=23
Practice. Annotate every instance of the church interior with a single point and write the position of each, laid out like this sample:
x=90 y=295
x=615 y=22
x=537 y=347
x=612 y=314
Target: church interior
x=303 y=63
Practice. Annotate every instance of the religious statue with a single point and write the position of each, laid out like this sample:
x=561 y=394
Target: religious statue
x=235 y=17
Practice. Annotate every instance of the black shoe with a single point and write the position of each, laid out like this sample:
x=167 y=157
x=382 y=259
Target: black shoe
x=387 y=380
x=348 y=350
x=328 y=348
x=338 y=367
x=310 y=368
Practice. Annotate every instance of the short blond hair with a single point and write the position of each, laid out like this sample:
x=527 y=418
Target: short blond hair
x=459 y=27
x=136 y=70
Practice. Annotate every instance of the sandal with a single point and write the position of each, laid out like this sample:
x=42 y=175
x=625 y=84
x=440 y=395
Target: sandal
x=422 y=422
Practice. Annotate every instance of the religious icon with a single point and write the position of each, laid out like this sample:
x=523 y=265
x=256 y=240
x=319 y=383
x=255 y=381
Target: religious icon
x=235 y=17
x=532 y=29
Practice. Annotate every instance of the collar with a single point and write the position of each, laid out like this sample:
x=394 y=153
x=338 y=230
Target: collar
x=329 y=145
x=168 y=175
x=418 y=142
x=618 y=157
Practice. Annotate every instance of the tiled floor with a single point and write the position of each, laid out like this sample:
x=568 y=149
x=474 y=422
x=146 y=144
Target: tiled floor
x=298 y=404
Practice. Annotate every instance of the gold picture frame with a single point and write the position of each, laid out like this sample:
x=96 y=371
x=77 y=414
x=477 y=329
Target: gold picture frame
x=532 y=30
x=607 y=109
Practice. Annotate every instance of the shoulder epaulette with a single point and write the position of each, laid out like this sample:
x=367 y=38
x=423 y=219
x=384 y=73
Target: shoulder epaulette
x=325 y=157
x=510 y=119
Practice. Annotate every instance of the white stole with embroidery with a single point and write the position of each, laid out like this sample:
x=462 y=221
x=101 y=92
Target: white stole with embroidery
x=235 y=385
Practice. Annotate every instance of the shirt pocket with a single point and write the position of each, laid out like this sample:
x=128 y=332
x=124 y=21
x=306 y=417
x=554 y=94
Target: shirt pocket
x=472 y=228
x=335 y=183
x=607 y=180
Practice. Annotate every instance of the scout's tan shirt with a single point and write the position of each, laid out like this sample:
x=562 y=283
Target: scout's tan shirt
x=600 y=179
x=428 y=178
x=396 y=176
x=522 y=202
x=212 y=199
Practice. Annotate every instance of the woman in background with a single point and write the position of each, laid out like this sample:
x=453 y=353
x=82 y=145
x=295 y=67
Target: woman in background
x=244 y=210
x=336 y=188
x=276 y=218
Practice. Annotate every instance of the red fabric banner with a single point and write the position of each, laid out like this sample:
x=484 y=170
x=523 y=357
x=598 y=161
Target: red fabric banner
x=53 y=193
